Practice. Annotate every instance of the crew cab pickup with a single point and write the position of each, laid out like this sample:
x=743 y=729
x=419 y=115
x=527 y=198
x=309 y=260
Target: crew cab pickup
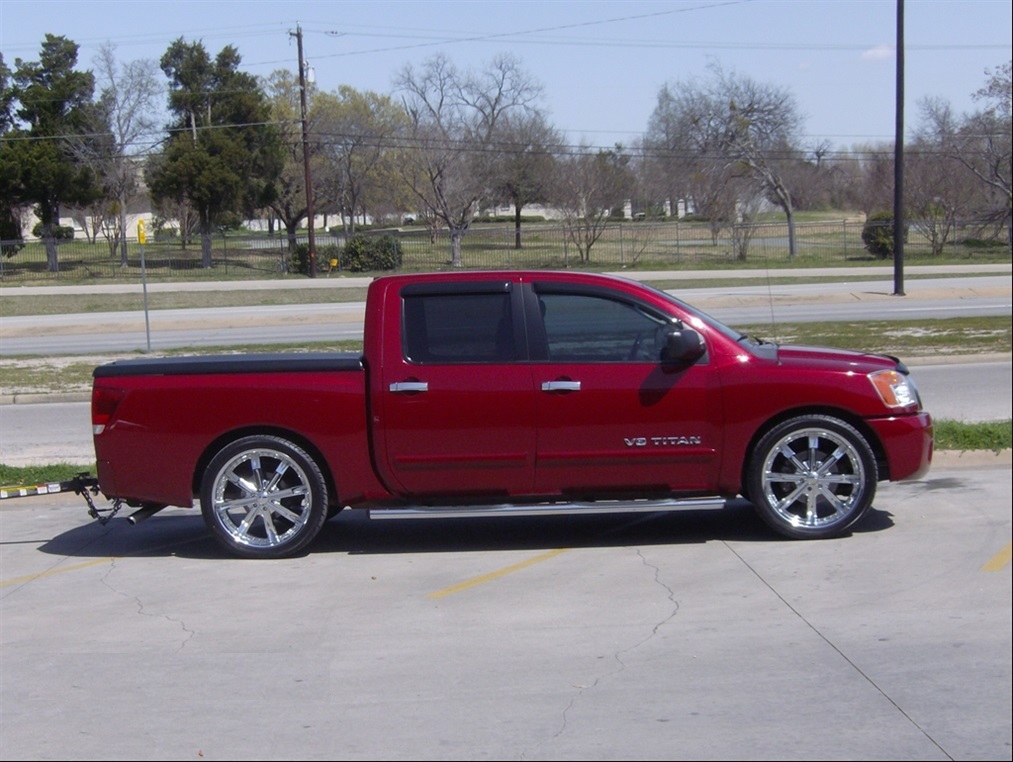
x=490 y=393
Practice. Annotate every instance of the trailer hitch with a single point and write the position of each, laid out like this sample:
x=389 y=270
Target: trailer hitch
x=83 y=484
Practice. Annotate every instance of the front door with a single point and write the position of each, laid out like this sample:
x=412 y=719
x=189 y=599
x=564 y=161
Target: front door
x=611 y=416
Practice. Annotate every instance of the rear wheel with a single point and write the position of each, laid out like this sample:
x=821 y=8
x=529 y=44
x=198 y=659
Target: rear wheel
x=812 y=477
x=263 y=497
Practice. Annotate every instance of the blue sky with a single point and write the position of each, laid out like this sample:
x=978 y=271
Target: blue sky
x=601 y=62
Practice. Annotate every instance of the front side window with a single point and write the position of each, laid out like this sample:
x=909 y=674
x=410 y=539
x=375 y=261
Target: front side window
x=587 y=328
x=458 y=328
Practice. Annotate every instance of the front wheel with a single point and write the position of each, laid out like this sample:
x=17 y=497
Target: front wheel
x=263 y=497
x=812 y=477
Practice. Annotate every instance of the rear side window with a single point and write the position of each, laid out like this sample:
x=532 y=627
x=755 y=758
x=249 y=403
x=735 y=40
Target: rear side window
x=458 y=328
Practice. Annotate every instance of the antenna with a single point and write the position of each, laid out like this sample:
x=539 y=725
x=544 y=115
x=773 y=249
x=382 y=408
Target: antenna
x=770 y=301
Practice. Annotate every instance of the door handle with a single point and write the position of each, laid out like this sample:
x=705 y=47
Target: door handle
x=408 y=387
x=560 y=386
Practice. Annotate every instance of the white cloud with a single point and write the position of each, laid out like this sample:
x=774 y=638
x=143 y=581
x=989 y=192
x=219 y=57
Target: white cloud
x=878 y=53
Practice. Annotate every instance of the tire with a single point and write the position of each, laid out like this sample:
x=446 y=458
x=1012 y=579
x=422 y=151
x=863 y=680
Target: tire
x=263 y=497
x=812 y=477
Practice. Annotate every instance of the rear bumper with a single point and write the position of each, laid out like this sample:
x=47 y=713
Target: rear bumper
x=907 y=444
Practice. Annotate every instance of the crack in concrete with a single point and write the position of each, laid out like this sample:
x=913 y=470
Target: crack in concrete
x=188 y=633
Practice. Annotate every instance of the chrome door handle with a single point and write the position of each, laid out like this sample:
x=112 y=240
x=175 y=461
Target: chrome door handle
x=561 y=386
x=402 y=387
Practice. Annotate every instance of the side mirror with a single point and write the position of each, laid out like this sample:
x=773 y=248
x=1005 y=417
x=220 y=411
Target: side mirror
x=684 y=345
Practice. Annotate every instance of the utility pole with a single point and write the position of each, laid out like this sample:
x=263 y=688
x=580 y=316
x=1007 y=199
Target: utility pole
x=306 y=155
x=898 y=163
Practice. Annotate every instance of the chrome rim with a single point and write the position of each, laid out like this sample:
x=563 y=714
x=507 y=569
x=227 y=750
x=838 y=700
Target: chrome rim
x=262 y=498
x=813 y=478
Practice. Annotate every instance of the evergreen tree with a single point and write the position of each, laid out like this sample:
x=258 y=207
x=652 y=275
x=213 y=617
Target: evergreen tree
x=222 y=156
x=54 y=103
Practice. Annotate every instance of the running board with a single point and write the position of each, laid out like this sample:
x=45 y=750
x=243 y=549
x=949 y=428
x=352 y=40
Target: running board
x=547 y=509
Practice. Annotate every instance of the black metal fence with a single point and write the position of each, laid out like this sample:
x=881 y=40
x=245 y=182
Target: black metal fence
x=644 y=245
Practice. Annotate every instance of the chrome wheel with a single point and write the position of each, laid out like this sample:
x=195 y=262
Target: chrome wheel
x=263 y=497
x=812 y=477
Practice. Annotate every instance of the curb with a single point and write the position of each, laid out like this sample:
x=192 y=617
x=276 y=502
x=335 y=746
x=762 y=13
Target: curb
x=40 y=398
x=971 y=459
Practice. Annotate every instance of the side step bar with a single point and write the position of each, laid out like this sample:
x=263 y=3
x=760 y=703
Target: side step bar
x=547 y=509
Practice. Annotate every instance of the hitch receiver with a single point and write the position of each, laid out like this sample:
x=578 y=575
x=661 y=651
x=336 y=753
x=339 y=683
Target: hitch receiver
x=83 y=484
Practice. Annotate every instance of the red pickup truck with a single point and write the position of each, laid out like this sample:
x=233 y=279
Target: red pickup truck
x=490 y=393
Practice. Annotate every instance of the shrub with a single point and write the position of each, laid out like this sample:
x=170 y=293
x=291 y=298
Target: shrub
x=299 y=261
x=362 y=254
x=877 y=234
x=60 y=232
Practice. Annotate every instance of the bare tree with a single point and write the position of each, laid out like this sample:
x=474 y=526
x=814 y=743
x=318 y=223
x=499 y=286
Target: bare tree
x=992 y=127
x=682 y=154
x=520 y=167
x=981 y=142
x=290 y=203
x=730 y=126
x=128 y=96
x=454 y=119
x=762 y=126
x=872 y=169
x=745 y=226
x=587 y=188
x=937 y=193
x=356 y=131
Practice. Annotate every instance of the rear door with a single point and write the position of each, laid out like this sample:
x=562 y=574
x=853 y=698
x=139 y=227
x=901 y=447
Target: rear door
x=458 y=407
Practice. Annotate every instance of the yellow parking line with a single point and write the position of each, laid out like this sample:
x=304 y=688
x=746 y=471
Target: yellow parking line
x=496 y=574
x=51 y=572
x=1000 y=560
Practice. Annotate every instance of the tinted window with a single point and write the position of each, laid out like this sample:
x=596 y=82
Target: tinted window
x=458 y=328
x=582 y=328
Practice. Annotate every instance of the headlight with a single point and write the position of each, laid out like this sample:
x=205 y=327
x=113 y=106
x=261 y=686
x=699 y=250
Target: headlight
x=894 y=388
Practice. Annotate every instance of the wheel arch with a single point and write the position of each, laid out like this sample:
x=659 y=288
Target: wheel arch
x=214 y=447
x=859 y=423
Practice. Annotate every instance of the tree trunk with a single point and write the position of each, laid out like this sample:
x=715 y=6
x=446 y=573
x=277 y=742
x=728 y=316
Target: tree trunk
x=517 y=225
x=123 y=232
x=456 y=234
x=50 y=220
x=290 y=233
x=205 y=238
x=791 y=231
x=52 y=260
x=205 y=248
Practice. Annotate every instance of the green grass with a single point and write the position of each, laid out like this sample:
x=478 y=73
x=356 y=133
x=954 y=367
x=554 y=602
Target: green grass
x=906 y=339
x=14 y=304
x=26 y=476
x=958 y=435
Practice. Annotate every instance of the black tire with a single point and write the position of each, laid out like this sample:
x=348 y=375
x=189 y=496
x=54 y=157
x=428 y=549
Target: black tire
x=812 y=477
x=263 y=497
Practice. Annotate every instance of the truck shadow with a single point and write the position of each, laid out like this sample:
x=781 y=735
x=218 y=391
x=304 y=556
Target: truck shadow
x=352 y=532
